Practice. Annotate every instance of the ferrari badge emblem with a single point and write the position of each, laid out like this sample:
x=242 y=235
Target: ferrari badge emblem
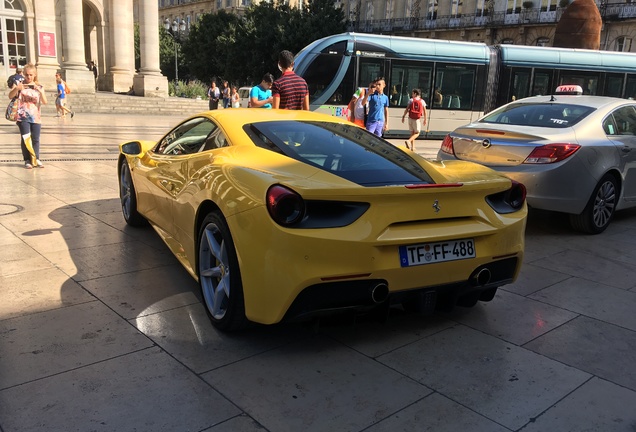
x=436 y=206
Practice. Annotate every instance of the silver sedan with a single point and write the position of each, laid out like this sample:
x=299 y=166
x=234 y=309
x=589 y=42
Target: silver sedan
x=574 y=154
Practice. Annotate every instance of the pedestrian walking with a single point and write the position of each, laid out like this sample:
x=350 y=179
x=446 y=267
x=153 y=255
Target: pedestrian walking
x=214 y=94
x=261 y=94
x=60 y=100
x=290 y=91
x=31 y=95
x=378 y=117
x=416 y=110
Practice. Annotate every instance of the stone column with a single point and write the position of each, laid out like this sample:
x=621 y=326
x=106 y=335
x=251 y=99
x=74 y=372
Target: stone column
x=122 y=47
x=149 y=81
x=42 y=19
x=74 y=67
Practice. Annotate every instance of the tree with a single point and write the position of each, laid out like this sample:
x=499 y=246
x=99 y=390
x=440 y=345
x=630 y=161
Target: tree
x=209 y=43
x=167 y=46
x=241 y=50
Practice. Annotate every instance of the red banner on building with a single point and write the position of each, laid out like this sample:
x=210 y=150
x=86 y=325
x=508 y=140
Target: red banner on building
x=46 y=45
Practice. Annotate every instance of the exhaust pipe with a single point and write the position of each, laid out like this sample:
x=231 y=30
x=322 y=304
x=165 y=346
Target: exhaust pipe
x=379 y=292
x=482 y=277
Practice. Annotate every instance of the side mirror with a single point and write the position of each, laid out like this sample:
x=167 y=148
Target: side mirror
x=132 y=148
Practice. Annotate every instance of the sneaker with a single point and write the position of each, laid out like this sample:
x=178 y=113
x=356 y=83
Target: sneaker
x=72 y=114
x=28 y=165
x=39 y=164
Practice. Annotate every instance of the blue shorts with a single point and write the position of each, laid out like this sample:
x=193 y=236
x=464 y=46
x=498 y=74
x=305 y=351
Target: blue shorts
x=376 y=127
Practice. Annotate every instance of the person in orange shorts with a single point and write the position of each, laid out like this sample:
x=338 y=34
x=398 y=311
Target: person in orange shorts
x=357 y=111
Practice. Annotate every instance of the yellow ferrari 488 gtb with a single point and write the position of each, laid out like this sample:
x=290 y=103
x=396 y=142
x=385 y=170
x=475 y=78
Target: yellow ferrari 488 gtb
x=291 y=214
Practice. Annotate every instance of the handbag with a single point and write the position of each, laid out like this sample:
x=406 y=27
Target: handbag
x=12 y=110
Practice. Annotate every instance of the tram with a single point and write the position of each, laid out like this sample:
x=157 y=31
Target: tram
x=460 y=81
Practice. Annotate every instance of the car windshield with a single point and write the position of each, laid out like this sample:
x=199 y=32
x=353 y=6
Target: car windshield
x=545 y=114
x=342 y=149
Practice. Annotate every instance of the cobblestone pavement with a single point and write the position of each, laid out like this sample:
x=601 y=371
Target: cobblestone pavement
x=102 y=330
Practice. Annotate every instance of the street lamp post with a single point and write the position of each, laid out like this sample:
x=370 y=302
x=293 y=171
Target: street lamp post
x=175 y=30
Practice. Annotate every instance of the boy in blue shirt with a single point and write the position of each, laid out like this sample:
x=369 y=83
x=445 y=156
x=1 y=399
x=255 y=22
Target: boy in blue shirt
x=261 y=95
x=378 y=117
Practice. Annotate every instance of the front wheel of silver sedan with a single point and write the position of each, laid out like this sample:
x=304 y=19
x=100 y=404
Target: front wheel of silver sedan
x=219 y=275
x=599 y=211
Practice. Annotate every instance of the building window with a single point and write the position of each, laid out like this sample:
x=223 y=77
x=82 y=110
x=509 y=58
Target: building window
x=543 y=41
x=623 y=44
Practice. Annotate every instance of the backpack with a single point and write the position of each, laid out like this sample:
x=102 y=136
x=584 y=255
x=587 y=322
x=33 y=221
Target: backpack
x=415 y=110
x=67 y=90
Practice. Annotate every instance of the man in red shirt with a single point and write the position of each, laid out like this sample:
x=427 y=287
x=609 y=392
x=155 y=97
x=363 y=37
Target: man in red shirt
x=289 y=91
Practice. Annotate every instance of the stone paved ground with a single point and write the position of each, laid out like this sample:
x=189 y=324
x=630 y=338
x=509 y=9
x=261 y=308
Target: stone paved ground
x=102 y=330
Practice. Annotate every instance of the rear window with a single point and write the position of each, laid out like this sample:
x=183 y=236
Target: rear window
x=548 y=115
x=342 y=149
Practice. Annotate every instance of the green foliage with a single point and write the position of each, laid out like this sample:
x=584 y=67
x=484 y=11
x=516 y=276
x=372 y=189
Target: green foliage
x=224 y=46
x=167 y=46
x=191 y=90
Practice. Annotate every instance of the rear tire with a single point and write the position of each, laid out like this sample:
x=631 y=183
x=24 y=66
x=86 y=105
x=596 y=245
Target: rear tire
x=219 y=275
x=128 y=197
x=599 y=210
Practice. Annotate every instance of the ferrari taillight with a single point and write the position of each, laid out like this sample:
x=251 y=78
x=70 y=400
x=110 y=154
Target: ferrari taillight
x=285 y=206
x=551 y=153
x=447 y=145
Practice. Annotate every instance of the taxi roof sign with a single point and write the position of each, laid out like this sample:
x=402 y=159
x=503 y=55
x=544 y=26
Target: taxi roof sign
x=569 y=90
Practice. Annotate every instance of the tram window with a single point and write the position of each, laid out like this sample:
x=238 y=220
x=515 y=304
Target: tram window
x=370 y=69
x=613 y=85
x=587 y=81
x=520 y=84
x=630 y=88
x=320 y=74
x=456 y=85
x=407 y=76
x=541 y=84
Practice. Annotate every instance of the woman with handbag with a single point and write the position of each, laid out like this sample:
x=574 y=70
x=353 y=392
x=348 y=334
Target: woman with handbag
x=30 y=95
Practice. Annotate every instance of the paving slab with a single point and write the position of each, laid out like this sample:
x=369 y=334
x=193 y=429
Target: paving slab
x=604 y=350
x=106 y=397
x=491 y=377
x=597 y=405
x=47 y=343
x=315 y=385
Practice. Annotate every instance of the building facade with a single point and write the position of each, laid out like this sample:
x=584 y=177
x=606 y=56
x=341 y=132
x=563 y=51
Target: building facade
x=66 y=35
x=189 y=11
x=520 y=22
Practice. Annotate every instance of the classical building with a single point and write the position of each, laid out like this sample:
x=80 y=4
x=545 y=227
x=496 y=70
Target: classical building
x=66 y=35
x=520 y=22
